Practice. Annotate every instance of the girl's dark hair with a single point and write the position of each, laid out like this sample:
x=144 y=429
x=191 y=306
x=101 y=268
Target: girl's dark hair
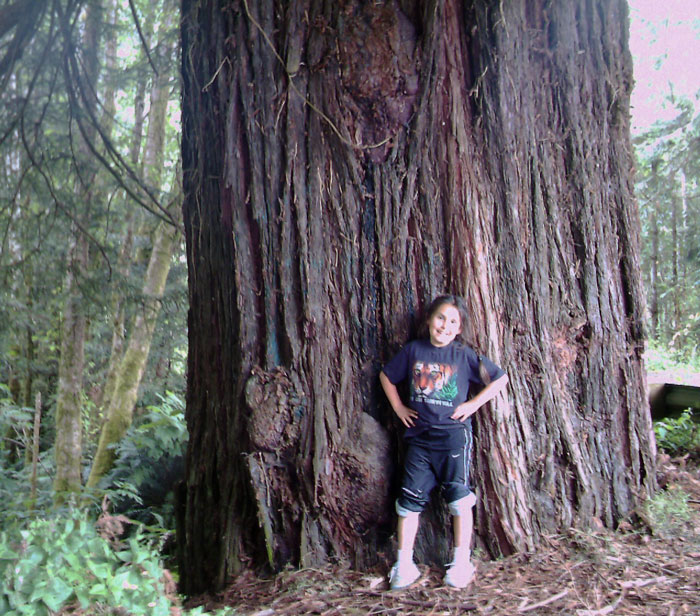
x=459 y=303
x=452 y=300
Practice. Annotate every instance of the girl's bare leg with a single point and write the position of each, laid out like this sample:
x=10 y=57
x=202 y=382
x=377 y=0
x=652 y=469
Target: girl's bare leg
x=406 y=530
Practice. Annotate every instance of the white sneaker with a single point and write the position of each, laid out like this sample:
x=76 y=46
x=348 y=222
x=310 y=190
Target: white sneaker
x=459 y=574
x=403 y=575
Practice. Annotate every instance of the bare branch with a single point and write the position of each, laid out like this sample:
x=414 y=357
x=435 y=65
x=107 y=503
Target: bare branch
x=24 y=16
x=137 y=23
x=59 y=203
x=73 y=75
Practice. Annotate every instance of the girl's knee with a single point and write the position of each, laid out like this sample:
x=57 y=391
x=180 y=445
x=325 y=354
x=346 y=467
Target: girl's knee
x=463 y=505
x=405 y=512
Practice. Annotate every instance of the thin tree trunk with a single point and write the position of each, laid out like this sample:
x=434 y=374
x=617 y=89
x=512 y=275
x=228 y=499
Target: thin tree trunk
x=126 y=249
x=29 y=357
x=108 y=106
x=69 y=425
x=29 y=377
x=685 y=229
x=29 y=380
x=654 y=274
x=675 y=266
x=133 y=364
x=127 y=379
x=654 y=277
x=35 y=450
x=118 y=316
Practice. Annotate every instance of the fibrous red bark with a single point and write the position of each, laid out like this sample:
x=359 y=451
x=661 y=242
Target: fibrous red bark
x=344 y=163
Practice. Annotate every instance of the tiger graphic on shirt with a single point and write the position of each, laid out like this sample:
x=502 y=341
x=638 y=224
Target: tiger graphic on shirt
x=434 y=381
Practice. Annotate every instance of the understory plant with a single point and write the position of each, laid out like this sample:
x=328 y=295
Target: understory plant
x=149 y=462
x=21 y=490
x=669 y=513
x=56 y=562
x=678 y=435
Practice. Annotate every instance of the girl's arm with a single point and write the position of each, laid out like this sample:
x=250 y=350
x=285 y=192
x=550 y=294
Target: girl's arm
x=406 y=414
x=468 y=408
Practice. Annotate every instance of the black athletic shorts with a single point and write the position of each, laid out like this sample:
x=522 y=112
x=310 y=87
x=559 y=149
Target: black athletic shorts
x=427 y=465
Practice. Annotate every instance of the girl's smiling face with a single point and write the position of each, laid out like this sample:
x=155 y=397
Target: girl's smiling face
x=444 y=325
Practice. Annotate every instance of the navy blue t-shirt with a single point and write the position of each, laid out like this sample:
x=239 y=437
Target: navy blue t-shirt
x=440 y=378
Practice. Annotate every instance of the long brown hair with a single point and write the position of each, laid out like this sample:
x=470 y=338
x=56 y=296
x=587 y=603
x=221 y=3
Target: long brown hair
x=436 y=304
x=461 y=306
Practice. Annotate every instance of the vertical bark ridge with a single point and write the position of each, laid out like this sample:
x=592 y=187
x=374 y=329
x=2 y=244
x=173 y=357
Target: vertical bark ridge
x=575 y=286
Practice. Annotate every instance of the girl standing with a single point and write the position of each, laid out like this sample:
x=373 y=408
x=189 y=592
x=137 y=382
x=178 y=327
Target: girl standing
x=440 y=369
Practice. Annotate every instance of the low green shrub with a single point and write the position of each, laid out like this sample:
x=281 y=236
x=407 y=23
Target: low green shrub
x=15 y=428
x=678 y=435
x=16 y=434
x=669 y=513
x=53 y=563
x=149 y=462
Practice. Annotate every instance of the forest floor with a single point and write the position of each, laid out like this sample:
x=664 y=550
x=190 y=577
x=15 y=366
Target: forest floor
x=650 y=565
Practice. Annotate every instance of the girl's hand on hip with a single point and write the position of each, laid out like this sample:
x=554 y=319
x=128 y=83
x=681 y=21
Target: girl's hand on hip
x=465 y=410
x=407 y=415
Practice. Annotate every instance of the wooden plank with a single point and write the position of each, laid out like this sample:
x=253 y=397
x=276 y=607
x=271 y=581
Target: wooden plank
x=682 y=396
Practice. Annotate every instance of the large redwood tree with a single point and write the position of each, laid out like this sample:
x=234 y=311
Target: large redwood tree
x=345 y=161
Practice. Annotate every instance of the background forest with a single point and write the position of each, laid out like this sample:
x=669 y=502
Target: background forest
x=93 y=293
x=665 y=135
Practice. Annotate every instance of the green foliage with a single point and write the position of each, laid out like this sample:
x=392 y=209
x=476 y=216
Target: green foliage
x=16 y=431
x=149 y=462
x=669 y=513
x=54 y=562
x=659 y=358
x=678 y=435
x=160 y=431
x=60 y=561
x=15 y=494
x=675 y=435
x=668 y=192
x=15 y=424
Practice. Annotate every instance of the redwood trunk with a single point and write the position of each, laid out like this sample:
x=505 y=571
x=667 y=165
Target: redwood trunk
x=391 y=152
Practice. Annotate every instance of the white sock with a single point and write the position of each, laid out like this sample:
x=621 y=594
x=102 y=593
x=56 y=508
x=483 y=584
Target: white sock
x=461 y=554
x=405 y=555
